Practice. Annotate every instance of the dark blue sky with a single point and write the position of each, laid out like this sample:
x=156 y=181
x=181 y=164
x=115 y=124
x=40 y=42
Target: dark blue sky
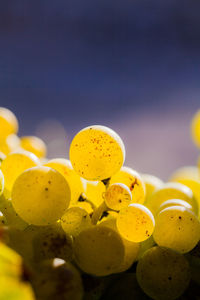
x=85 y=62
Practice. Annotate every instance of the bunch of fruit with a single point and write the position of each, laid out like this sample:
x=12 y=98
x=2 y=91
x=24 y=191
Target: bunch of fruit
x=91 y=228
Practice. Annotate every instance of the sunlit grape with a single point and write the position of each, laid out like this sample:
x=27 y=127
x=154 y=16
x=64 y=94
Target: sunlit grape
x=117 y=196
x=34 y=145
x=8 y=122
x=133 y=180
x=97 y=152
x=135 y=222
x=40 y=195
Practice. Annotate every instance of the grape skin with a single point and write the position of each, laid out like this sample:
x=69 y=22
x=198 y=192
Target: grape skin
x=99 y=250
x=34 y=145
x=97 y=152
x=117 y=196
x=177 y=228
x=163 y=274
x=135 y=222
x=41 y=196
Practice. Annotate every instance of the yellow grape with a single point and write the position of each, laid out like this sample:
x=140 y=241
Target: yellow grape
x=8 y=122
x=151 y=184
x=190 y=177
x=195 y=129
x=9 y=144
x=75 y=220
x=131 y=248
x=175 y=202
x=2 y=157
x=34 y=144
x=11 y=218
x=94 y=191
x=15 y=290
x=40 y=195
x=1 y=183
x=97 y=152
x=117 y=196
x=177 y=228
x=163 y=274
x=133 y=180
x=14 y=164
x=99 y=250
x=171 y=190
x=64 y=167
x=135 y=222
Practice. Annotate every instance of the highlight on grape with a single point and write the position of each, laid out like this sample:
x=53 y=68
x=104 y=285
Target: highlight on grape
x=86 y=226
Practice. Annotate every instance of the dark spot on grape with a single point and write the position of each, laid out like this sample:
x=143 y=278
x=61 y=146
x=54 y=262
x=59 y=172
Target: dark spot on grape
x=169 y=278
x=46 y=189
x=179 y=217
x=49 y=181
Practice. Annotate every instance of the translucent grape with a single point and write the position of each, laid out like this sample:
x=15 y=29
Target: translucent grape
x=34 y=144
x=163 y=274
x=117 y=196
x=40 y=195
x=97 y=153
x=151 y=184
x=131 y=248
x=9 y=144
x=195 y=129
x=75 y=220
x=94 y=191
x=56 y=279
x=177 y=228
x=135 y=223
x=175 y=202
x=64 y=167
x=14 y=164
x=1 y=183
x=99 y=250
x=171 y=190
x=133 y=180
x=190 y=177
x=8 y=122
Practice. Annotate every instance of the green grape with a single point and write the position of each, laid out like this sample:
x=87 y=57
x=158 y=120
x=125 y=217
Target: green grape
x=151 y=184
x=125 y=287
x=97 y=153
x=14 y=164
x=99 y=250
x=145 y=245
x=195 y=129
x=40 y=195
x=190 y=177
x=8 y=122
x=1 y=183
x=15 y=290
x=135 y=223
x=34 y=144
x=171 y=190
x=10 y=217
x=94 y=191
x=131 y=248
x=177 y=228
x=64 y=167
x=133 y=180
x=175 y=202
x=55 y=280
x=75 y=220
x=163 y=274
x=117 y=196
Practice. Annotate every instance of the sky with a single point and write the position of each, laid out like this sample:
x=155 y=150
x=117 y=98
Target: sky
x=131 y=65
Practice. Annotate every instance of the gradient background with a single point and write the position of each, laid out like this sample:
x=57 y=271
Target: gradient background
x=131 y=65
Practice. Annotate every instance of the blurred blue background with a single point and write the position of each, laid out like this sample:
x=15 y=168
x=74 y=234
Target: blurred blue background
x=131 y=65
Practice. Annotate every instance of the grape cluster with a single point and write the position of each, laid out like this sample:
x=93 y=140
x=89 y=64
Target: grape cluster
x=89 y=227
